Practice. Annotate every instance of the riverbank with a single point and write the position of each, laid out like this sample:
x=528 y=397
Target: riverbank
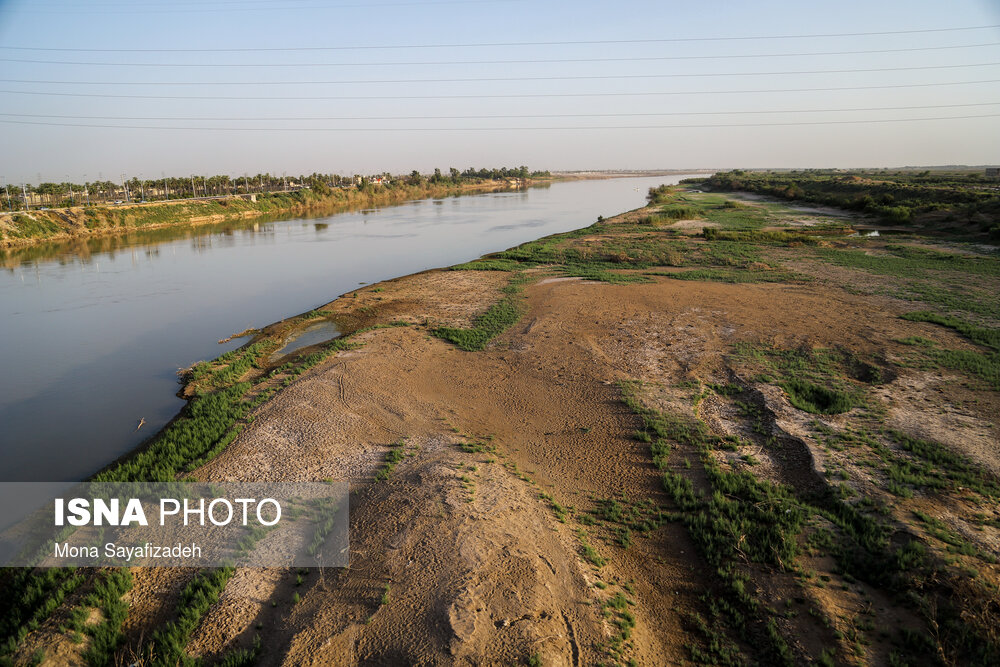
x=26 y=228
x=556 y=451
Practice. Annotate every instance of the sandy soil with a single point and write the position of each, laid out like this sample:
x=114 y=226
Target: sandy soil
x=484 y=567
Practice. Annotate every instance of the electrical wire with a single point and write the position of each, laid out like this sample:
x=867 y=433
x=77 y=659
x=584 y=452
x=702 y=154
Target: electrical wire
x=582 y=77
x=495 y=95
x=501 y=116
x=665 y=40
x=132 y=8
x=402 y=63
x=478 y=129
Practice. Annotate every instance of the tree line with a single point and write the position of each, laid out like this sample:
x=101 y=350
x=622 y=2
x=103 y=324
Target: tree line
x=897 y=197
x=137 y=189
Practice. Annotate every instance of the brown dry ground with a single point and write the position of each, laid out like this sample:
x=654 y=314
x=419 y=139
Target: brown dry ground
x=461 y=558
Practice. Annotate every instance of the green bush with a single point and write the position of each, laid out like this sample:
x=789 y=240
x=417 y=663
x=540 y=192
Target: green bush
x=816 y=399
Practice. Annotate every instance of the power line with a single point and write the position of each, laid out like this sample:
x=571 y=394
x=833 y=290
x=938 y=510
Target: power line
x=238 y=3
x=478 y=129
x=667 y=40
x=581 y=77
x=502 y=62
x=502 y=116
x=496 y=96
x=133 y=9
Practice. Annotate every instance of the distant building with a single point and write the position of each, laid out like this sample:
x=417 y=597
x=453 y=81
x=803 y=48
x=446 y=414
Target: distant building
x=993 y=172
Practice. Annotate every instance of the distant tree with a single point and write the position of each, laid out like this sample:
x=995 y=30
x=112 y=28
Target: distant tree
x=414 y=178
x=49 y=189
x=318 y=185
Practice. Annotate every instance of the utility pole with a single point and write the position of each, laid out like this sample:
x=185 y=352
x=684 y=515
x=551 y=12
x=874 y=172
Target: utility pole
x=142 y=187
x=125 y=188
x=71 y=202
x=7 y=190
x=24 y=194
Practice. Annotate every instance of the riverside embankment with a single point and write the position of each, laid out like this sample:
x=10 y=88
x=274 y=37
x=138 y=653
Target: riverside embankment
x=23 y=228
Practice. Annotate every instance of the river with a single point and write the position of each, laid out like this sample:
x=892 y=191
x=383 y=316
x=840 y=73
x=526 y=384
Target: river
x=93 y=332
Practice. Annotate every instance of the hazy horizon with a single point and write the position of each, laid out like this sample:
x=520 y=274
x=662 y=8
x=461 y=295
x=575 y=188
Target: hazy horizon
x=224 y=87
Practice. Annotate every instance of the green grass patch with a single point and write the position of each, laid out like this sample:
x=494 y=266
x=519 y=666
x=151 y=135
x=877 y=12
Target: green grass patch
x=734 y=276
x=559 y=510
x=983 y=365
x=907 y=261
x=498 y=318
x=936 y=466
x=981 y=335
x=396 y=453
x=38 y=595
x=770 y=237
x=489 y=265
x=820 y=381
x=953 y=295
x=106 y=636
x=817 y=399
x=590 y=554
x=678 y=212
x=628 y=516
x=955 y=543
x=167 y=645
x=600 y=274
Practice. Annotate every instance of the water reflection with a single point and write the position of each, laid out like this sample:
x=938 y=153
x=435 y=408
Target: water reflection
x=313 y=334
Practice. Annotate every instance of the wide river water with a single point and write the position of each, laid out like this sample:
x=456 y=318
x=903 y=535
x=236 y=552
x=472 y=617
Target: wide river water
x=93 y=332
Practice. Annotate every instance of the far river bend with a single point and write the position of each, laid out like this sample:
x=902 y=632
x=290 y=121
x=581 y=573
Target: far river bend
x=93 y=332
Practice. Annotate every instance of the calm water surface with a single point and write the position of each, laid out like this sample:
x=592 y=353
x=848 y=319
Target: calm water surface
x=93 y=333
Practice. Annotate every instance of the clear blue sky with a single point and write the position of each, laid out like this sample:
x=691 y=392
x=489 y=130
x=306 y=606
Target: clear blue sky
x=158 y=71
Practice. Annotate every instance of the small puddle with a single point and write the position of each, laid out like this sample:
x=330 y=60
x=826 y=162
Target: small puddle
x=311 y=335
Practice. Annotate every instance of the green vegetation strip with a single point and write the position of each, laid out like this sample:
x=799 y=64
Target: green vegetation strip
x=743 y=518
x=397 y=452
x=39 y=595
x=106 y=635
x=981 y=335
x=166 y=647
x=984 y=365
x=734 y=276
x=316 y=190
x=908 y=261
